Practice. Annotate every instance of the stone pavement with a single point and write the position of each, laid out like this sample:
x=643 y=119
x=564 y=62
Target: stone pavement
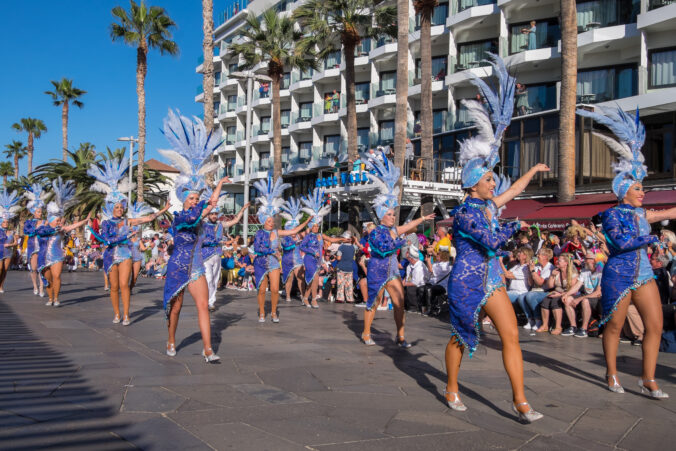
x=69 y=378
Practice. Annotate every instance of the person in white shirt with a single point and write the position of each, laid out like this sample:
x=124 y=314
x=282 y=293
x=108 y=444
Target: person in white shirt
x=589 y=287
x=520 y=279
x=417 y=276
x=531 y=302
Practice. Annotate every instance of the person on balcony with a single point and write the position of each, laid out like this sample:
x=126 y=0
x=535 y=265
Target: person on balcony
x=475 y=282
x=627 y=276
x=530 y=32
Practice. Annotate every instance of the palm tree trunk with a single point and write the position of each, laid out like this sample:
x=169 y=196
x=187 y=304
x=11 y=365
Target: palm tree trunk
x=16 y=166
x=30 y=152
x=401 y=112
x=4 y=180
x=568 y=97
x=64 y=130
x=208 y=65
x=276 y=126
x=351 y=105
x=426 y=116
x=141 y=70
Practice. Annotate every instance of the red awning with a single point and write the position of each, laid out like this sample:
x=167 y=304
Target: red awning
x=522 y=207
x=557 y=216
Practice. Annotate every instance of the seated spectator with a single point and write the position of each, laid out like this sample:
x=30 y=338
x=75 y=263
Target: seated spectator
x=561 y=279
x=555 y=244
x=245 y=265
x=659 y=261
x=589 y=287
x=417 y=276
x=573 y=245
x=540 y=272
x=519 y=276
x=440 y=270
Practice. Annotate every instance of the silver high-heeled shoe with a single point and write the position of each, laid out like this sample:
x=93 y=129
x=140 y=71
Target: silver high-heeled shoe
x=456 y=404
x=616 y=387
x=171 y=349
x=211 y=358
x=529 y=416
x=368 y=341
x=657 y=394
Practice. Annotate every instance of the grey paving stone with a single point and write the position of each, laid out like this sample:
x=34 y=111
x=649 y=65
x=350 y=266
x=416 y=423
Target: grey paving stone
x=64 y=324
x=151 y=399
x=607 y=425
x=236 y=436
x=410 y=422
x=161 y=434
x=270 y=394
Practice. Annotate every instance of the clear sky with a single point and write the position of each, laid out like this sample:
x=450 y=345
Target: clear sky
x=43 y=40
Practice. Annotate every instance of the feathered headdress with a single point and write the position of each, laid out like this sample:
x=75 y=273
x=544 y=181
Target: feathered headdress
x=315 y=206
x=138 y=210
x=386 y=179
x=64 y=192
x=292 y=212
x=270 y=197
x=36 y=197
x=502 y=184
x=480 y=153
x=8 y=204
x=192 y=152
x=630 y=134
x=111 y=181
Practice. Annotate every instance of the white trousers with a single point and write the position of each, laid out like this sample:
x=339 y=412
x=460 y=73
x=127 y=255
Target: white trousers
x=212 y=267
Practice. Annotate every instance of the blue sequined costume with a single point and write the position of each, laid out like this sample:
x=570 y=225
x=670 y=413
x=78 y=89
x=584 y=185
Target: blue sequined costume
x=50 y=242
x=476 y=272
x=116 y=239
x=312 y=245
x=266 y=254
x=31 y=238
x=136 y=253
x=7 y=252
x=383 y=265
x=212 y=235
x=627 y=235
x=3 y=239
x=291 y=258
x=185 y=264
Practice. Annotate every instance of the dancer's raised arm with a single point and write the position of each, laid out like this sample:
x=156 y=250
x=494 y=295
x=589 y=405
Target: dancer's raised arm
x=660 y=215
x=237 y=217
x=148 y=218
x=520 y=185
x=412 y=225
x=76 y=225
x=295 y=230
x=213 y=200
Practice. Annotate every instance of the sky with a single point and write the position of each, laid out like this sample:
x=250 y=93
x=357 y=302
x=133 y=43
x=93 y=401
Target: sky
x=44 y=40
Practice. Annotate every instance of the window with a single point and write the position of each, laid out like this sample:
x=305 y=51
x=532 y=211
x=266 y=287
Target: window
x=439 y=120
x=363 y=139
x=605 y=13
x=662 y=68
x=286 y=80
x=386 y=132
x=232 y=67
x=304 y=151
x=363 y=48
x=217 y=78
x=535 y=98
x=464 y=4
x=286 y=155
x=265 y=125
x=388 y=82
x=547 y=34
x=438 y=68
x=305 y=111
x=439 y=15
x=306 y=74
x=331 y=145
x=332 y=60
x=473 y=54
x=264 y=158
x=604 y=84
x=285 y=118
x=232 y=102
x=361 y=92
x=230 y=134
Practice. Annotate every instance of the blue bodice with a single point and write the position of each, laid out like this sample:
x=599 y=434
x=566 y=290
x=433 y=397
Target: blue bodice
x=312 y=244
x=212 y=235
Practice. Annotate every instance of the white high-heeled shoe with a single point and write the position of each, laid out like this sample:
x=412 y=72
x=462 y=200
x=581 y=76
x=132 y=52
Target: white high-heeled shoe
x=527 y=417
x=211 y=358
x=657 y=394
x=616 y=387
x=456 y=404
x=171 y=349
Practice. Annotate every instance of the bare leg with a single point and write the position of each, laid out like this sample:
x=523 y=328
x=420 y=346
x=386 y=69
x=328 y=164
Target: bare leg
x=200 y=293
x=261 y=296
x=611 y=335
x=363 y=287
x=136 y=269
x=558 y=316
x=545 y=320
x=34 y=271
x=586 y=313
x=124 y=272
x=3 y=273
x=56 y=275
x=570 y=310
x=314 y=285
x=454 y=351
x=646 y=298
x=174 y=313
x=501 y=312
x=289 y=284
x=300 y=277
x=368 y=320
x=396 y=291
x=114 y=289
x=273 y=279
x=5 y=264
x=50 y=283
x=105 y=281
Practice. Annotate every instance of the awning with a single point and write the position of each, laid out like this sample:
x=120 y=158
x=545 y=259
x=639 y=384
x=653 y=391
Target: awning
x=522 y=207
x=557 y=216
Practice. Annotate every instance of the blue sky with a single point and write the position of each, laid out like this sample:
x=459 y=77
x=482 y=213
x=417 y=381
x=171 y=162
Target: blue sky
x=43 y=40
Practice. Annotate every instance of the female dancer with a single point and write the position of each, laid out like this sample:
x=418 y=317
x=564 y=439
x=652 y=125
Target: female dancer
x=384 y=242
x=36 y=203
x=292 y=262
x=137 y=210
x=50 y=238
x=475 y=281
x=628 y=276
x=8 y=209
x=313 y=245
x=266 y=244
x=193 y=155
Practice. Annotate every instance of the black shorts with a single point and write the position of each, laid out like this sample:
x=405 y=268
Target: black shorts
x=551 y=303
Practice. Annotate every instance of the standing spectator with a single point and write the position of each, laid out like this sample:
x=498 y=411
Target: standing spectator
x=328 y=102
x=409 y=154
x=417 y=276
x=574 y=236
x=345 y=269
x=589 y=286
x=521 y=95
x=530 y=31
x=417 y=128
x=335 y=101
x=443 y=241
x=540 y=272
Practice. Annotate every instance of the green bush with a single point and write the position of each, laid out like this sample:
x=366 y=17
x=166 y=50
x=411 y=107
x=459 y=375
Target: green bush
x=334 y=231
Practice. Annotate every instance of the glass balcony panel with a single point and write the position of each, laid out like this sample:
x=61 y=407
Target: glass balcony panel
x=286 y=81
x=306 y=74
x=265 y=126
x=464 y=4
x=305 y=113
x=386 y=132
x=363 y=48
x=332 y=60
x=602 y=85
x=304 y=152
x=546 y=34
x=535 y=98
x=662 y=68
x=361 y=93
x=331 y=146
x=653 y=4
x=285 y=118
x=363 y=139
x=474 y=54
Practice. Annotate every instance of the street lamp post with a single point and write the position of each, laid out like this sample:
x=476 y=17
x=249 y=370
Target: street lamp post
x=131 y=140
x=249 y=76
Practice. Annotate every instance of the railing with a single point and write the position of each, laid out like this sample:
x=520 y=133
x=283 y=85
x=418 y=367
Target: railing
x=297 y=76
x=230 y=138
x=465 y=4
x=258 y=130
x=439 y=170
x=547 y=34
x=654 y=4
x=384 y=40
x=363 y=48
x=230 y=11
x=304 y=115
x=327 y=106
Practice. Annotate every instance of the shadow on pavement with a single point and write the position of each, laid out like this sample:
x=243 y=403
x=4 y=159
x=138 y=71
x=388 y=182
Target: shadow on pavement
x=44 y=400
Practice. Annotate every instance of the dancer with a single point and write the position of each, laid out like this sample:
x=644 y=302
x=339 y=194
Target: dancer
x=116 y=231
x=8 y=209
x=313 y=244
x=50 y=238
x=137 y=210
x=475 y=281
x=192 y=154
x=266 y=244
x=384 y=242
x=213 y=234
x=628 y=276
x=292 y=261
x=36 y=204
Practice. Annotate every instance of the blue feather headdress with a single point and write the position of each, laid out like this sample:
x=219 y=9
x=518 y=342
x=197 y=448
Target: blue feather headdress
x=8 y=204
x=111 y=181
x=630 y=134
x=385 y=179
x=64 y=193
x=316 y=206
x=36 y=196
x=480 y=153
x=270 y=197
x=292 y=212
x=502 y=184
x=192 y=152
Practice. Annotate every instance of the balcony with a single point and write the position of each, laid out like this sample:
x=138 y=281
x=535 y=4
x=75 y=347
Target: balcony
x=655 y=4
x=261 y=98
x=606 y=84
x=471 y=13
x=241 y=105
x=325 y=113
x=602 y=40
x=301 y=120
x=331 y=69
x=385 y=45
x=235 y=9
x=361 y=93
x=547 y=34
x=260 y=133
x=659 y=18
x=592 y=15
x=306 y=160
x=535 y=99
x=438 y=23
x=301 y=81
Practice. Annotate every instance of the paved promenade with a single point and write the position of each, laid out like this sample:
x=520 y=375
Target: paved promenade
x=69 y=379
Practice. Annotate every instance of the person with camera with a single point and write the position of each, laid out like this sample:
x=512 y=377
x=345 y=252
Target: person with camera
x=417 y=276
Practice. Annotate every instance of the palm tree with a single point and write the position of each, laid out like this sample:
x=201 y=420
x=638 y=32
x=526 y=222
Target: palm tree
x=63 y=95
x=144 y=27
x=401 y=111
x=273 y=40
x=208 y=64
x=17 y=151
x=34 y=128
x=87 y=147
x=330 y=24
x=568 y=98
x=6 y=170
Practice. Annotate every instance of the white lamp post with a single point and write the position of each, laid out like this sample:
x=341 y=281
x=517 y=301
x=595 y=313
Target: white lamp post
x=131 y=140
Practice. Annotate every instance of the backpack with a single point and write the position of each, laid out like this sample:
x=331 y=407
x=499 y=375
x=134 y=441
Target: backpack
x=593 y=328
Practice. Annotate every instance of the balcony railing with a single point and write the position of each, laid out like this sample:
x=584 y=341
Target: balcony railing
x=546 y=34
x=654 y=4
x=604 y=13
x=297 y=76
x=234 y=7
x=602 y=85
x=328 y=106
x=304 y=115
x=465 y=4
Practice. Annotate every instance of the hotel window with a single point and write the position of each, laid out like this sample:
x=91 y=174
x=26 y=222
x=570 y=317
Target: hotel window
x=305 y=111
x=662 y=68
x=386 y=132
x=304 y=151
x=438 y=68
x=331 y=145
x=285 y=118
x=547 y=34
x=604 y=84
x=474 y=54
x=363 y=139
